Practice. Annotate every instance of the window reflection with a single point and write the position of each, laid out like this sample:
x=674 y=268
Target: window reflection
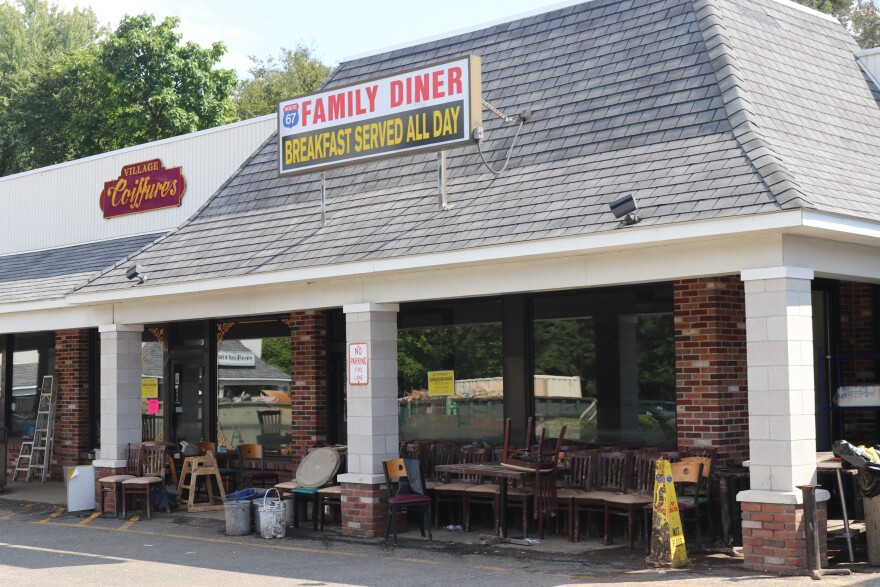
x=33 y=358
x=153 y=383
x=450 y=379
x=254 y=404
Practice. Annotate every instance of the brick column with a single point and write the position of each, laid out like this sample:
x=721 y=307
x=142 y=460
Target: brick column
x=120 y=392
x=308 y=364
x=372 y=419
x=72 y=370
x=782 y=447
x=710 y=366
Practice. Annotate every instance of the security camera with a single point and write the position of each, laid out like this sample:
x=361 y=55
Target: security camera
x=625 y=208
x=136 y=272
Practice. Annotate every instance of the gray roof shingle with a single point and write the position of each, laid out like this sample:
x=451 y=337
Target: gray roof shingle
x=628 y=97
x=50 y=274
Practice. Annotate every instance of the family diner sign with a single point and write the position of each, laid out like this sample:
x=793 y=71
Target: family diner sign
x=142 y=187
x=427 y=109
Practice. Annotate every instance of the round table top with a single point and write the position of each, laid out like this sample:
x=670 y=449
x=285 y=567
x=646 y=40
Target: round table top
x=318 y=467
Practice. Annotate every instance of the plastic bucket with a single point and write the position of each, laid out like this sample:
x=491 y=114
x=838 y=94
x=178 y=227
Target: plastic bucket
x=256 y=510
x=271 y=516
x=238 y=517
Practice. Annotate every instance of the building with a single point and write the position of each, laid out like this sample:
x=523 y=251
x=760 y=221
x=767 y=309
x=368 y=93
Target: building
x=743 y=294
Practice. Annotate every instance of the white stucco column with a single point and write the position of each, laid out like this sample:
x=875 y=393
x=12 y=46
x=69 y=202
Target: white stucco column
x=779 y=338
x=121 y=373
x=372 y=408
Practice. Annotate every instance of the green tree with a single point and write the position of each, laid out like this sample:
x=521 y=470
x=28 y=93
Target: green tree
x=137 y=84
x=835 y=7
x=276 y=352
x=33 y=35
x=163 y=88
x=296 y=72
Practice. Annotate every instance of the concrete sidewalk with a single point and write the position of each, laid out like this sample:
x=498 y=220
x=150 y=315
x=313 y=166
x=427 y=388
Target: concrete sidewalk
x=554 y=554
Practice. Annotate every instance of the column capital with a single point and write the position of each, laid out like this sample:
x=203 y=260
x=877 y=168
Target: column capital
x=369 y=307
x=778 y=497
x=781 y=272
x=121 y=328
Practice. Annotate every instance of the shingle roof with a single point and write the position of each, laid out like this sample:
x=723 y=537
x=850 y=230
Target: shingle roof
x=50 y=274
x=626 y=99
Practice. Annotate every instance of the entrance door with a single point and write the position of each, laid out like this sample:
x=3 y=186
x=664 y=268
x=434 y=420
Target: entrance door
x=188 y=395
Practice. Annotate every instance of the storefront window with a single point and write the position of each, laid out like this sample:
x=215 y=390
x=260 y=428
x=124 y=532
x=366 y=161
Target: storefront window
x=254 y=402
x=565 y=378
x=33 y=358
x=604 y=365
x=153 y=353
x=450 y=383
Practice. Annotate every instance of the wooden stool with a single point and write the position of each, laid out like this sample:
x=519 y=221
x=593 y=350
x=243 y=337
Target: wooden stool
x=194 y=468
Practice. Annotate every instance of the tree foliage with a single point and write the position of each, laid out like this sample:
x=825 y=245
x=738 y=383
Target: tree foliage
x=69 y=90
x=296 y=72
x=33 y=36
x=276 y=352
x=162 y=88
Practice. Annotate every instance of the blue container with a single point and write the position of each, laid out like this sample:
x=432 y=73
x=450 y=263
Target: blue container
x=246 y=494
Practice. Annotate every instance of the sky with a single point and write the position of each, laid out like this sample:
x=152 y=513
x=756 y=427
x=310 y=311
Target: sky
x=336 y=29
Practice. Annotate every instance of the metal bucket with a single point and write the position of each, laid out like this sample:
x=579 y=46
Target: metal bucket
x=271 y=516
x=238 y=517
x=256 y=510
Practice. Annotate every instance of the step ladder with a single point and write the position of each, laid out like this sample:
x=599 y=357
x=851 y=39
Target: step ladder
x=35 y=455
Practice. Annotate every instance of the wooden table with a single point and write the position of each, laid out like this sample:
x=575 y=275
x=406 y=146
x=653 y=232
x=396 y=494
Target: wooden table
x=491 y=471
x=828 y=462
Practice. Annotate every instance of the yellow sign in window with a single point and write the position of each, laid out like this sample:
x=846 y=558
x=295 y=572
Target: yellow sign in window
x=149 y=388
x=441 y=382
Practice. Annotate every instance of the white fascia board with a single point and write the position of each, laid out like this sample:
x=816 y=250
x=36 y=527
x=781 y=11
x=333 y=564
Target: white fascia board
x=17 y=307
x=841 y=224
x=624 y=238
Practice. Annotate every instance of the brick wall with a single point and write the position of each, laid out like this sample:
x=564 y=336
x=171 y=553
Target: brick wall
x=72 y=370
x=710 y=365
x=857 y=337
x=363 y=510
x=308 y=357
x=774 y=539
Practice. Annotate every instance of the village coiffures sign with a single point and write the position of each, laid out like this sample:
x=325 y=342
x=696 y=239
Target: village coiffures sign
x=426 y=109
x=142 y=187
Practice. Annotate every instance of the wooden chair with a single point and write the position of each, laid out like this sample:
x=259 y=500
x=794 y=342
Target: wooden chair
x=152 y=475
x=407 y=495
x=113 y=483
x=579 y=480
x=610 y=479
x=541 y=459
x=249 y=478
x=455 y=493
x=639 y=491
x=700 y=497
x=150 y=426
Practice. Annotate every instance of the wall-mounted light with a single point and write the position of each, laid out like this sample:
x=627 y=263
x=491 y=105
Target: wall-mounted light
x=625 y=208
x=136 y=272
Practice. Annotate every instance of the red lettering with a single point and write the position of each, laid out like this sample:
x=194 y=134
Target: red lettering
x=336 y=106
x=396 y=93
x=350 y=104
x=306 y=110
x=454 y=75
x=358 y=108
x=320 y=116
x=409 y=90
x=423 y=87
x=371 y=96
x=437 y=84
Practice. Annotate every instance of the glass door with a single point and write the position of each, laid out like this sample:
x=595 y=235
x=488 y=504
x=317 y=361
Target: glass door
x=187 y=400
